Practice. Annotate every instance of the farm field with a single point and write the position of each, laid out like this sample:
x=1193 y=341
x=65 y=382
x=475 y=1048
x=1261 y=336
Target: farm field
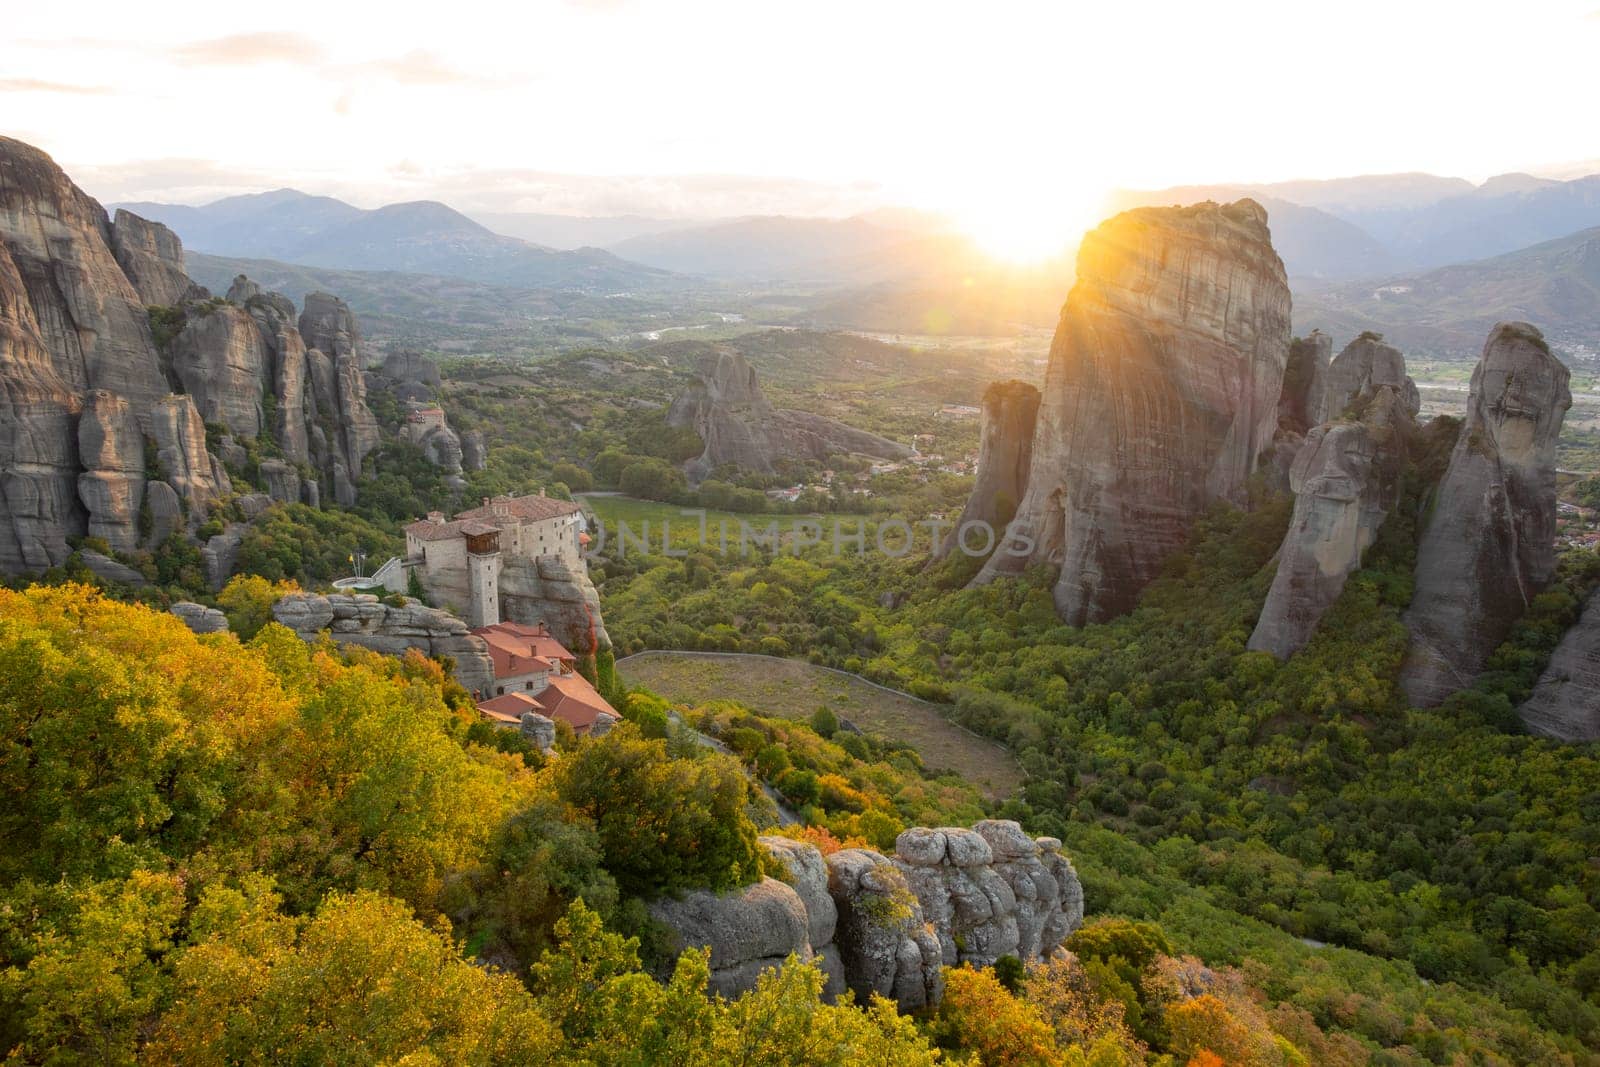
x=793 y=689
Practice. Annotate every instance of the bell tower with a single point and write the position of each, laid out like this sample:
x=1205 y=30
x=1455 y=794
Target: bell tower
x=483 y=574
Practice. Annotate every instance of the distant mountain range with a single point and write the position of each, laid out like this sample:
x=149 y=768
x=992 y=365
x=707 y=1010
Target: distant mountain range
x=1449 y=311
x=1362 y=227
x=422 y=237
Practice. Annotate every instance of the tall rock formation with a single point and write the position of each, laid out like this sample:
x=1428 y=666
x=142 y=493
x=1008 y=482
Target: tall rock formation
x=1565 y=705
x=1005 y=454
x=84 y=389
x=1346 y=480
x=1489 y=547
x=724 y=404
x=1161 y=396
x=1366 y=364
x=1303 y=402
x=152 y=257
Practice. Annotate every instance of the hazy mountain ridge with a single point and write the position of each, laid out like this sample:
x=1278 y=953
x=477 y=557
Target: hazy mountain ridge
x=424 y=237
x=1447 y=311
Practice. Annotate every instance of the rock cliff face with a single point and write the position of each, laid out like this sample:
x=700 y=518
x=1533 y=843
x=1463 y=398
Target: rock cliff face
x=152 y=257
x=887 y=925
x=1565 y=705
x=222 y=362
x=365 y=620
x=1160 y=397
x=565 y=599
x=725 y=406
x=1005 y=455
x=85 y=392
x=1346 y=480
x=1489 y=547
x=111 y=486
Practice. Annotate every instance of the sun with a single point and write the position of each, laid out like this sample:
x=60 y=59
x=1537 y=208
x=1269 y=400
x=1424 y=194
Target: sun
x=1027 y=227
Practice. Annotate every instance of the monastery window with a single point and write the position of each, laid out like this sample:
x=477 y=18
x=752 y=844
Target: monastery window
x=500 y=692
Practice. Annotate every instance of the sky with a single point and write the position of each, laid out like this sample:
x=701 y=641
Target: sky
x=1004 y=114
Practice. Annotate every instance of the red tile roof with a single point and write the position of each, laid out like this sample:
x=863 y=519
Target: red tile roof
x=526 y=508
x=497 y=511
x=510 y=708
x=569 y=698
x=516 y=648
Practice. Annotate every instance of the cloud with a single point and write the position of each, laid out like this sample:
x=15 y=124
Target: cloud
x=416 y=68
x=240 y=49
x=35 y=85
x=422 y=68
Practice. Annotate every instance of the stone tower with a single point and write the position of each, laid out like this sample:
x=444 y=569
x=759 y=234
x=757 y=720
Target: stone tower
x=483 y=574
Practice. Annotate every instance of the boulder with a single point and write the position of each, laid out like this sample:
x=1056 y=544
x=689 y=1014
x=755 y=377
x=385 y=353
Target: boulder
x=1565 y=704
x=199 y=618
x=165 y=510
x=1005 y=454
x=108 y=569
x=1489 y=547
x=806 y=871
x=539 y=730
x=1160 y=397
x=220 y=555
x=747 y=931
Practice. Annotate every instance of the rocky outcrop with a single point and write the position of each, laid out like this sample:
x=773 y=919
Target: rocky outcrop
x=474 y=454
x=222 y=361
x=109 y=570
x=199 y=618
x=1160 y=397
x=1365 y=365
x=111 y=449
x=152 y=257
x=1565 y=704
x=724 y=404
x=282 y=480
x=1346 y=480
x=887 y=925
x=220 y=554
x=1489 y=547
x=1005 y=454
x=991 y=891
x=410 y=375
x=362 y=619
x=548 y=590
x=540 y=729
